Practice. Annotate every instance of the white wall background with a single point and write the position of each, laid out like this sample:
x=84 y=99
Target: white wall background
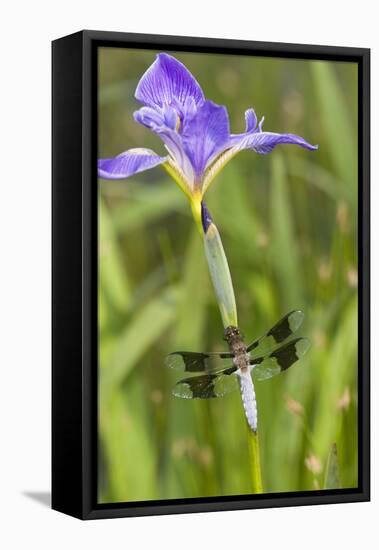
x=26 y=31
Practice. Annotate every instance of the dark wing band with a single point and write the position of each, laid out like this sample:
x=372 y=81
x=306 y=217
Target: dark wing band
x=279 y=360
x=190 y=361
x=284 y=328
x=207 y=386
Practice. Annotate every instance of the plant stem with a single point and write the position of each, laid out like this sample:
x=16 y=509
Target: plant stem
x=255 y=461
x=195 y=203
x=219 y=270
x=222 y=283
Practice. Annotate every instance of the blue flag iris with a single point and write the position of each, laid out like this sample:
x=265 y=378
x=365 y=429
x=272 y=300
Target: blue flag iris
x=194 y=130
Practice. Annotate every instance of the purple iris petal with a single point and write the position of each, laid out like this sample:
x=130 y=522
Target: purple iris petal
x=194 y=130
x=156 y=118
x=164 y=123
x=128 y=163
x=167 y=81
x=205 y=135
x=251 y=120
x=264 y=142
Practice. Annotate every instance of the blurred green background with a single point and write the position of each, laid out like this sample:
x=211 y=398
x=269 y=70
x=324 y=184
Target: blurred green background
x=288 y=221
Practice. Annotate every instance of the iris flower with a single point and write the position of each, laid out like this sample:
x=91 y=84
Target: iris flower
x=196 y=134
x=194 y=130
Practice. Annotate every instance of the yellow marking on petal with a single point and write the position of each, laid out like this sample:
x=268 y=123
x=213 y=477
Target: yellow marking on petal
x=177 y=175
x=143 y=151
x=194 y=196
x=217 y=166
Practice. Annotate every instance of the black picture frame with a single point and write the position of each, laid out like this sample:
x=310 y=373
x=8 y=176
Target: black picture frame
x=74 y=273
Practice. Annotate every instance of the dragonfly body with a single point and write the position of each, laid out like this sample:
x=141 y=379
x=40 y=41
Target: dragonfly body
x=241 y=357
x=248 y=398
x=241 y=360
x=264 y=358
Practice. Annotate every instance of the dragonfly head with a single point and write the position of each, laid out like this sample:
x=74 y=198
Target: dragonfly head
x=232 y=335
x=231 y=332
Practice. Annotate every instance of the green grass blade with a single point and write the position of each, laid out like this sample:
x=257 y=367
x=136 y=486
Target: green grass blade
x=232 y=205
x=146 y=327
x=283 y=244
x=334 y=380
x=189 y=329
x=112 y=274
x=149 y=205
x=332 y=474
x=338 y=123
x=127 y=447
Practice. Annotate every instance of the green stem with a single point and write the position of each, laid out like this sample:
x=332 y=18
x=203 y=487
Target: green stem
x=195 y=203
x=222 y=283
x=255 y=461
x=220 y=275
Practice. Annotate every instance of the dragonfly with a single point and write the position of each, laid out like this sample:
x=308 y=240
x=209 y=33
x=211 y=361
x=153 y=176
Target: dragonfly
x=265 y=357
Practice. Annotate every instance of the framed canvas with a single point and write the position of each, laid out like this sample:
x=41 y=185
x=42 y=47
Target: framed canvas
x=200 y=248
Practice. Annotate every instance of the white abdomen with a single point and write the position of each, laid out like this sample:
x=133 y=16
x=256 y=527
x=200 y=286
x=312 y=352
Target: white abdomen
x=248 y=398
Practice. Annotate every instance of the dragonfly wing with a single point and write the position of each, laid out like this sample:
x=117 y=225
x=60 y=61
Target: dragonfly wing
x=190 y=361
x=207 y=386
x=288 y=325
x=265 y=370
x=279 y=360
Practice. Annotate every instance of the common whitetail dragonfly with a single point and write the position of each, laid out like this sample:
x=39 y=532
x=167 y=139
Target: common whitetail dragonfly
x=263 y=359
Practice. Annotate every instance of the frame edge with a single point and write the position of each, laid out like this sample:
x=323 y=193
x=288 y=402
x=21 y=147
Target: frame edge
x=67 y=95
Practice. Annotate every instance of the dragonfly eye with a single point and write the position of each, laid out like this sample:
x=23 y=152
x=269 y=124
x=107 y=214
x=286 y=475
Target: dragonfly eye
x=231 y=331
